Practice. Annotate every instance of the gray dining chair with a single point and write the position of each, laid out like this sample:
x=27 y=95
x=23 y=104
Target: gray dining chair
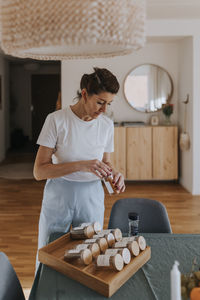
x=153 y=217
x=10 y=287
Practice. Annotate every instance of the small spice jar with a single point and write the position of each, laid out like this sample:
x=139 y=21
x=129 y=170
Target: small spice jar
x=102 y=242
x=133 y=247
x=110 y=239
x=141 y=242
x=85 y=256
x=120 y=244
x=128 y=238
x=96 y=226
x=108 y=181
x=139 y=239
x=124 y=252
x=82 y=233
x=94 y=248
x=116 y=232
x=133 y=223
x=110 y=262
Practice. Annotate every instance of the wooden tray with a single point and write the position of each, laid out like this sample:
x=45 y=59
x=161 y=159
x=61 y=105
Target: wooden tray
x=106 y=282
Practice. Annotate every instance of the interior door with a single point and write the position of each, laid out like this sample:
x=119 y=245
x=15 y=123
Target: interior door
x=44 y=94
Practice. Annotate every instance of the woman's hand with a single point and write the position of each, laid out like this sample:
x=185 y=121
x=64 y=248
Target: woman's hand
x=118 y=178
x=99 y=168
x=118 y=181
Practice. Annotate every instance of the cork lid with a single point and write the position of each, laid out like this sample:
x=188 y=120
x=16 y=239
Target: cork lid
x=117 y=234
x=95 y=249
x=97 y=227
x=89 y=231
x=126 y=256
x=118 y=262
x=110 y=239
x=141 y=242
x=133 y=247
x=102 y=244
x=133 y=216
x=86 y=256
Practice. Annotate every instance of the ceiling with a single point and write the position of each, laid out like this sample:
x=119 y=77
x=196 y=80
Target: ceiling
x=173 y=9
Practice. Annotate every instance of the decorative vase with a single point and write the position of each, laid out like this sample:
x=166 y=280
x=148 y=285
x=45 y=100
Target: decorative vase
x=184 y=141
x=167 y=119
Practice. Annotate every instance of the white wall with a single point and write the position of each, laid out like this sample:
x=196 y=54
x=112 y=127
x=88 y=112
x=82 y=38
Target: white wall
x=162 y=54
x=196 y=116
x=186 y=28
x=185 y=87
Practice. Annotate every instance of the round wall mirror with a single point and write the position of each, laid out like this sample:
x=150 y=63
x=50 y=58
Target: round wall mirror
x=147 y=87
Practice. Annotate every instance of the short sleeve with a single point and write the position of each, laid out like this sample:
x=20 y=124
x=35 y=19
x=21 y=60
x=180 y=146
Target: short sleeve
x=48 y=134
x=110 y=139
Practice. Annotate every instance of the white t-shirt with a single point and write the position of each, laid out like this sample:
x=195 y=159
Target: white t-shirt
x=74 y=139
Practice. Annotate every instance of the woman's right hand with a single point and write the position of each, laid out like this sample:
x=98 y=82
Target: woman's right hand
x=97 y=167
x=45 y=169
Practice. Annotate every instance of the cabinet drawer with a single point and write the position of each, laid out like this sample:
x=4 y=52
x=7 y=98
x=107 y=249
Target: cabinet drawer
x=139 y=153
x=118 y=158
x=165 y=160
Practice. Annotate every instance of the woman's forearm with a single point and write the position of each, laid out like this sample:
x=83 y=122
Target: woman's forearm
x=49 y=170
x=45 y=169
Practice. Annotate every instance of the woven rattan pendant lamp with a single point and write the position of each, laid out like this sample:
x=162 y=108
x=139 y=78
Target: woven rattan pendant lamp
x=64 y=29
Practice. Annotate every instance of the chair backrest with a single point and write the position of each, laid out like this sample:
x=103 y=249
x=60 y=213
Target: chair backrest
x=153 y=215
x=10 y=287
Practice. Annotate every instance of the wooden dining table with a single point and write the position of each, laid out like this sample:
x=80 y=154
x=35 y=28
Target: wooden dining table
x=151 y=282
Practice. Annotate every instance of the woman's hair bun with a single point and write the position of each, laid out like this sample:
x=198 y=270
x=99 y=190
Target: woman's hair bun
x=101 y=80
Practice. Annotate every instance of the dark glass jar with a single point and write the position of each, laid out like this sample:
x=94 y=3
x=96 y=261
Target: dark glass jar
x=133 y=223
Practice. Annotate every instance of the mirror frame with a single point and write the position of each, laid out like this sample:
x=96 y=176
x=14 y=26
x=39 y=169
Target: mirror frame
x=170 y=79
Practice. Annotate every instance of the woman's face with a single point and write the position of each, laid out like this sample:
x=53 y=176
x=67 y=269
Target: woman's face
x=97 y=103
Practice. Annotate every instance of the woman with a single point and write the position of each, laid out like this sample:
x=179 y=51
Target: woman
x=74 y=154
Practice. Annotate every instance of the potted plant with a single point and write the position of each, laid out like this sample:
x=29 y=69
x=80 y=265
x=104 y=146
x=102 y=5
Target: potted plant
x=167 y=110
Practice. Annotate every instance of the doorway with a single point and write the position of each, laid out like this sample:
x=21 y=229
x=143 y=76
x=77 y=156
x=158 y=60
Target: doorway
x=44 y=94
x=33 y=91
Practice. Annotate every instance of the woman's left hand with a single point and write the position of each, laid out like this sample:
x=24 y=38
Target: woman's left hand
x=118 y=181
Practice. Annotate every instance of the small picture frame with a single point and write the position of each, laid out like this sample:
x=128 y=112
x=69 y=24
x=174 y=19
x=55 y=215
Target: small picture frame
x=154 y=120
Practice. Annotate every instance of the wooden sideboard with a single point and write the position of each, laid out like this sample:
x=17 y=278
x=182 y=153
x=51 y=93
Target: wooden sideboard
x=146 y=152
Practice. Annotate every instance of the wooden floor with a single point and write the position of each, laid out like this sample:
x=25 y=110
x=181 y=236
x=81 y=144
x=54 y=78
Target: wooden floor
x=20 y=202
